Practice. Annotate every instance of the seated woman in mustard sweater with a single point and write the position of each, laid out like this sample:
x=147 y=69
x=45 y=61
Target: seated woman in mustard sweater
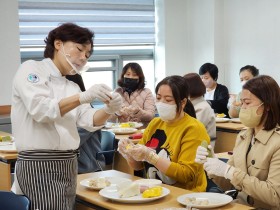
x=168 y=146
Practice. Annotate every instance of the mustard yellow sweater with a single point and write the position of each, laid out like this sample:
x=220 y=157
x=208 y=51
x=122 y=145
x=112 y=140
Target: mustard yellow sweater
x=177 y=142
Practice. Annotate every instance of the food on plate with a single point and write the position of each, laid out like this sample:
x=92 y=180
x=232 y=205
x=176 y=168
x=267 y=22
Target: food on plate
x=205 y=145
x=128 y=189
x=143 y=188
x=127 y=125
x=124 y=125
x=197 y=201
x=100 y=182
x=5 y=138
x=221 y=115
x=123 y=184
x=152 y=192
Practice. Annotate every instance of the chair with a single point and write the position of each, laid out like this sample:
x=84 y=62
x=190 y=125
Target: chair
x=108 y=148
x=11 y=201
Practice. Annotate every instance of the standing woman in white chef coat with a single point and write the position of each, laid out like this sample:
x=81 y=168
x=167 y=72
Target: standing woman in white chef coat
x=46 y=110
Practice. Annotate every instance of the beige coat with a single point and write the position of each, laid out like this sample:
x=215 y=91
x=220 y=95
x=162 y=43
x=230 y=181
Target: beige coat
x=258 y=175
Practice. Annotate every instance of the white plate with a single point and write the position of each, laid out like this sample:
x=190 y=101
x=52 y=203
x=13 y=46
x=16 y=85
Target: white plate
x=113 y=180
x=148 y=182
x=123 y=130
x=235 y=120
x=112 y=194
x=220 y=115
x=222 y=120
x=119 y=125
x=9 y=148
x=4 y=143
x=215 y=199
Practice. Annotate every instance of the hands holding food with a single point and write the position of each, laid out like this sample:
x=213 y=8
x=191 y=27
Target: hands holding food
x=123 y=147
x=137 y=152
x=203 y=151
x=114 y=104
x=127 y=111
x=99 y=91
x=140 y=152
x=212 y=165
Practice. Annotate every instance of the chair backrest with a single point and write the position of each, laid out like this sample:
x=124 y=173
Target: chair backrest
x=11 y=201
x=108 y=146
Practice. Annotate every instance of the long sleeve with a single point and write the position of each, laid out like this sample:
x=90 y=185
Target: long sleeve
x=221 y=96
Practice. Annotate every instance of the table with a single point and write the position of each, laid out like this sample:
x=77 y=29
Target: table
x=226 y=136
x=6 y=159
x=90 y=199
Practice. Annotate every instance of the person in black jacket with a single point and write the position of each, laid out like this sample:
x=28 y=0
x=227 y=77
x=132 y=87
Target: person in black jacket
x=216 y=95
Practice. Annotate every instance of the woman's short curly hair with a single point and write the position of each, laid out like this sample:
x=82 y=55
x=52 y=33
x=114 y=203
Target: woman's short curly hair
x=67 y=32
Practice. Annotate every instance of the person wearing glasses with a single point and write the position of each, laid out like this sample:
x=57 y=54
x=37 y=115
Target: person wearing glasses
x=46 y=110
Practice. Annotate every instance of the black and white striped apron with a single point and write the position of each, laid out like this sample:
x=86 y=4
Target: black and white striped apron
x=48 y=178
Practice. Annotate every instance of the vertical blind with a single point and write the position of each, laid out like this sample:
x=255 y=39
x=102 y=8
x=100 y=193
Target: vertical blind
x=114 y=22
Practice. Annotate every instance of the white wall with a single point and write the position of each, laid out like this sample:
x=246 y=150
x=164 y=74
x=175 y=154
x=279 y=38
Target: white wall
x=229 y=33
x=9 y=53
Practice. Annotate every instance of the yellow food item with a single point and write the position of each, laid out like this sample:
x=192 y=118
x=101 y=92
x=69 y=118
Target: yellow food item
x=128 y=146
x=5 y=138
x=124 y=125
x=152 y=192
x=205 y=145
x=221 y=115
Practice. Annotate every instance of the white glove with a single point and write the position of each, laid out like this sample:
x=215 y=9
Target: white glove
x=124 y=146
x=202 y=153
x=214 y=166
x=114 y=104
x=100 y=91
x=140 y=152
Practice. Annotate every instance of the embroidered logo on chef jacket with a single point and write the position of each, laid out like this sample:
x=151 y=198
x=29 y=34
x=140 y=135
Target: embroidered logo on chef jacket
x=33 y=78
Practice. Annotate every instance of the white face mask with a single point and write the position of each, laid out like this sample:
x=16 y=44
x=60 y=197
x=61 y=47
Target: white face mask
x=243 y=82
x=167 y=112
x=74 y=70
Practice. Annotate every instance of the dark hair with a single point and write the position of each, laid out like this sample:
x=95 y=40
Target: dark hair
x=211 y=68
x=67 y=32
x=136 y=68
x=77 y=78
x=267 y=90
x=180 y=91
x=196 y=86
x=254 y=71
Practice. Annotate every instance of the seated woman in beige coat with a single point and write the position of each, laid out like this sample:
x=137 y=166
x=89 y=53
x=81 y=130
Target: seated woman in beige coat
x=254 y=168
x=138 y=101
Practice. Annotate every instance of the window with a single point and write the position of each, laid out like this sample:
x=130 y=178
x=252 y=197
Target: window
x=148 y=70
x=123 y=29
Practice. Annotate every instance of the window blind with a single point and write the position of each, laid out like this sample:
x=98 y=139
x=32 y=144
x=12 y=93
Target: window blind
x=122 y=22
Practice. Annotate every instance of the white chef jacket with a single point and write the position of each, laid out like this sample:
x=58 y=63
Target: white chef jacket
x=38 y=87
